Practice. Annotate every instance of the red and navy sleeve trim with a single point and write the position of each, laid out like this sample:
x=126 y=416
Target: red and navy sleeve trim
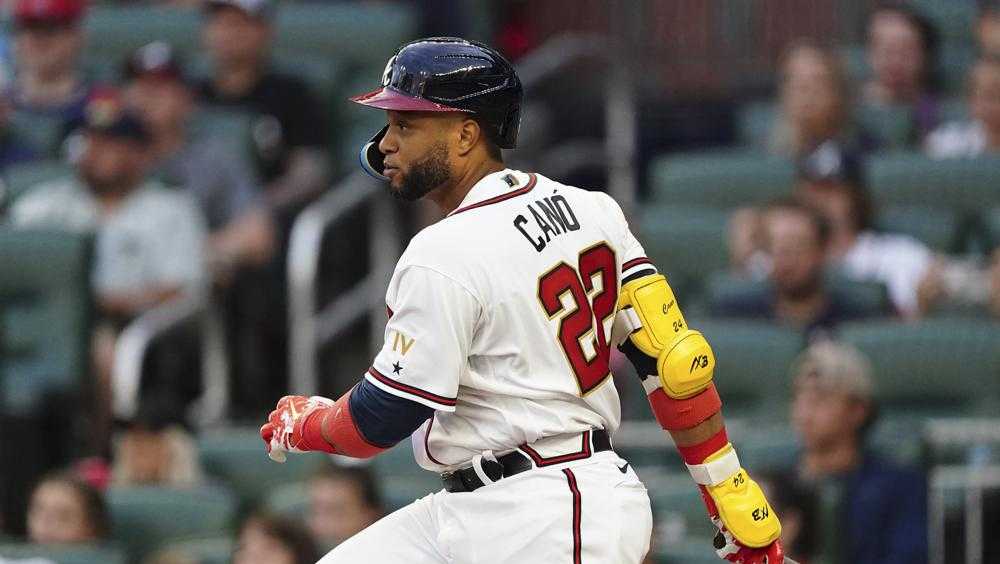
x=577 y=515
x=637 y=268
x=405 y=388
x=636 y=262
x=532 y=179
x=541 y=461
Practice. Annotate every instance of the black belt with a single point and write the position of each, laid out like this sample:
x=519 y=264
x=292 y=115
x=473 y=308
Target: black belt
x=466 y=479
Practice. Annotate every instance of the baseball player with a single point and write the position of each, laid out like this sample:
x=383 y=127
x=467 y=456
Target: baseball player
x=501 y=321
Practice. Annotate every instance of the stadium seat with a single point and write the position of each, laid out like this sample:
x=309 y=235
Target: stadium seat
x=992 y=221
x=720 y=179
x=21 y=178
x=890 y=126
x=934 y=367
x=236 y=456
x=677 y=506
x=755 y=123
x=45 y=307
x=686 y=244
x=114 y=31
x=213 y=550
x=84 y=554
x=290 y=500
x=912 y=179
x=144 y=518
x=401 y=479
x=43 y=133
x=753 y=359
x=870 y=299
x=936 y=227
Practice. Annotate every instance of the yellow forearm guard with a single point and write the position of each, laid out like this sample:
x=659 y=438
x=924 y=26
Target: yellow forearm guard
x=684 y=359
x=742 y=506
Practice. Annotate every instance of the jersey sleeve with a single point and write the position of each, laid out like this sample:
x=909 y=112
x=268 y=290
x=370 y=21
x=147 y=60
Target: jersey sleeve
x=635 y=263
x=432 y=319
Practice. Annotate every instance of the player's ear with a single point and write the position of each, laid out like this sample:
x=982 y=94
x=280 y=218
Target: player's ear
x=469 y=134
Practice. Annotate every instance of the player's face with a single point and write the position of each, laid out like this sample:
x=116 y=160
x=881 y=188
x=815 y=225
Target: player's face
x=417 y=153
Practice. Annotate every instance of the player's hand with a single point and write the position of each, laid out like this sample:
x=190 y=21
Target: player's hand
x=283 y=431
x=730 y=549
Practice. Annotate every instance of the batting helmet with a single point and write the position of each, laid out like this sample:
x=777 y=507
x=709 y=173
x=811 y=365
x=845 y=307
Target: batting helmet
x=447 y=74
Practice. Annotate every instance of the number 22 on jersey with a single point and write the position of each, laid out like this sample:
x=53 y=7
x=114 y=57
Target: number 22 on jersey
x=584 y=298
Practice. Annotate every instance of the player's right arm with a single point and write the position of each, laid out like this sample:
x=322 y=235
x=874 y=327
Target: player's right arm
x=676 y=365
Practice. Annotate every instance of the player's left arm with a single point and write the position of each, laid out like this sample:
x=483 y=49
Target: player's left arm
x=427 y=342
x=676 y=365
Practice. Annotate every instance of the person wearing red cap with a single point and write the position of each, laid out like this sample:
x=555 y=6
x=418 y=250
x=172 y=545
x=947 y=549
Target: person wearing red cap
x=49 y=90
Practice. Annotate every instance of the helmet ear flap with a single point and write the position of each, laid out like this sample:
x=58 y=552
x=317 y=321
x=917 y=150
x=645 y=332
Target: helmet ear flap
x=372 y=159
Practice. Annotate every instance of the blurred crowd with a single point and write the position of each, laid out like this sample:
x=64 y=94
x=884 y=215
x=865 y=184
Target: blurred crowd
x=177 y=210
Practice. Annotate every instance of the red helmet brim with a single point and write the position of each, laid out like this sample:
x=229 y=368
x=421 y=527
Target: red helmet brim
x=388 y=99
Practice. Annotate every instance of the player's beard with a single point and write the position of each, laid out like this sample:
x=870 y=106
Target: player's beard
x=425 y=175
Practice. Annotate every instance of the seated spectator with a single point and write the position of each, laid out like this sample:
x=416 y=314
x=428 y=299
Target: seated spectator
x=902 y=54
x=241 y=231
x=14 y=148
x=980 y=135
x=149 y=240
x=155 y=450
x=815 y=104
x=833 y=183
x=987 y=30
x=797 y=506
x=266 y=539
x=290 y=129
x=796 y=239
x=64 y=509
x=883 y=508
x=49 y=91
x=343 y=500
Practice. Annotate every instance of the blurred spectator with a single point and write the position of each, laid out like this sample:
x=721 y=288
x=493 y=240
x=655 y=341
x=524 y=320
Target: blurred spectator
x=882 y=508
x=156 y=450
x=833 y=182
x=796 y=240
x=289 y=127
x=222 y=181
x=987 y=29
x=266 y=539
x=14 y=148
x=815 y=103
x=797 y=506
x=49 y=90
x=65 y=509
x=902 y=53
x=149 y=240
x=981 y=134
x=343 y=500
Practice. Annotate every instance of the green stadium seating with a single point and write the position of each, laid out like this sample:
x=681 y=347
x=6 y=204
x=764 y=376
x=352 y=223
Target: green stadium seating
x=83 y=554
x=401 y=479
x=144 y=518
x=114 y=31
x=720 y=179
x=992 y=221
x=290 y=500
x=753 y=359
x=869 y=298
x=236 y=457
x=754 y=124
x=43 y=133
x=912 y=179
x=677 y=504
x=890 y=126
x=686 y=244
x=20 y=178
x=933 y=367
x=45 y=307
x=938 y=228
x=213 y=550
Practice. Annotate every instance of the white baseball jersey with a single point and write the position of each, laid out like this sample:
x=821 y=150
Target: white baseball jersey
x=500 y=318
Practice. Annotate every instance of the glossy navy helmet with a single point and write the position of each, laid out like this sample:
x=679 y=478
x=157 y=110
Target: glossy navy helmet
x=447 y=74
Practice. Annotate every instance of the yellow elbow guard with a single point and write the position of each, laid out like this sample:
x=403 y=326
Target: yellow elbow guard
x=742 y=507
x=656 y=326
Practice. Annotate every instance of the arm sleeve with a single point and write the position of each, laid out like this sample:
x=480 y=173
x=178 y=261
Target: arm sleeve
x=384 y=419
x=427 y=338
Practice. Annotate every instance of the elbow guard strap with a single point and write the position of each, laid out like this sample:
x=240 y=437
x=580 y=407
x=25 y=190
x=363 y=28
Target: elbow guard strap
x=332 y=429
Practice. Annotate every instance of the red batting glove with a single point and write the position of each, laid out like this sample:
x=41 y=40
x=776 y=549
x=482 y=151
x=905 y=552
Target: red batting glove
x=283 y=432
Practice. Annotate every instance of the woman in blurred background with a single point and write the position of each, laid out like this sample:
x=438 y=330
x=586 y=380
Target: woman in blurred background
x=981 y=134
x=815 y=104
x=65 y=509
x=266 y=539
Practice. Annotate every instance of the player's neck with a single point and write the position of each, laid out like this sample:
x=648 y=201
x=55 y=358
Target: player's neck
x=450 y=196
